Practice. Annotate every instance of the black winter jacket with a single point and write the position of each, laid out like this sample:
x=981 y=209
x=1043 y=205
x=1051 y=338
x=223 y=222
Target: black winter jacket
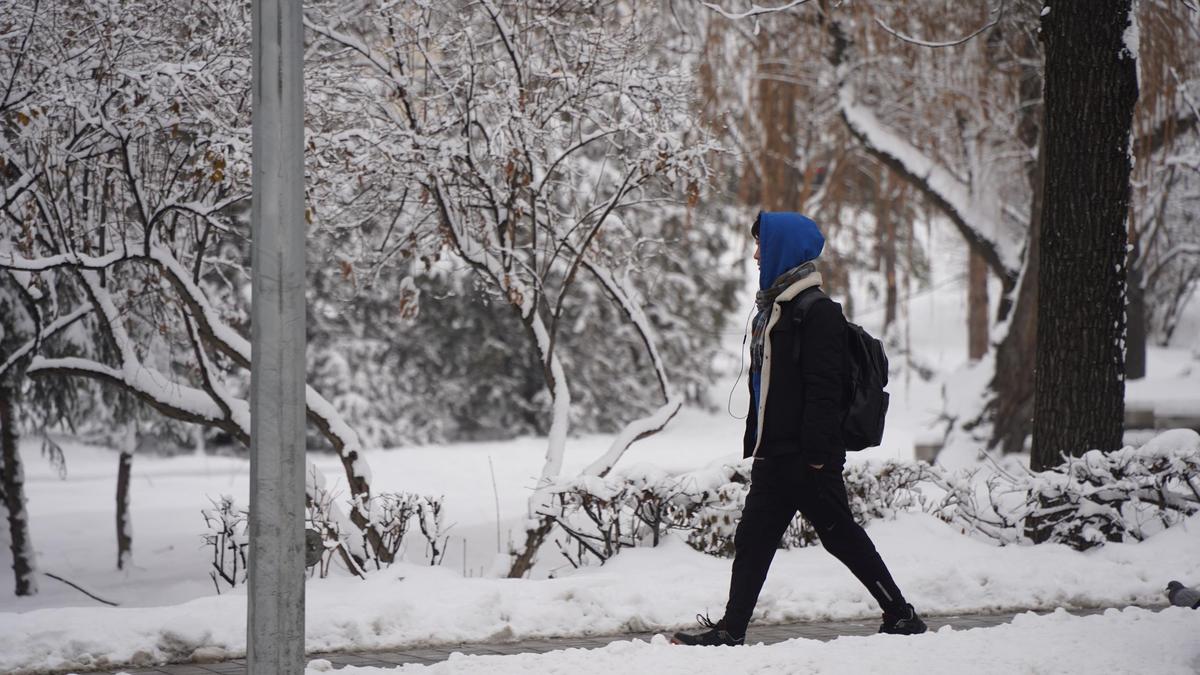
x=807 y=383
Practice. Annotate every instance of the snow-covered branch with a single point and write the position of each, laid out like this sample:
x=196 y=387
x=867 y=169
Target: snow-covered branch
x=672 y=401
x=983 y=232
x=996 y=15
x=15 y=261
x=755 y=10
x=172 y=399
x=47 y=331
x=324 y=416
x=1168 y=256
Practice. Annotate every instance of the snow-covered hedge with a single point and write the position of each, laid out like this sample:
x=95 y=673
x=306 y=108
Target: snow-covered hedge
x=597 y=517
x=1125 y=495
x=1086 y=501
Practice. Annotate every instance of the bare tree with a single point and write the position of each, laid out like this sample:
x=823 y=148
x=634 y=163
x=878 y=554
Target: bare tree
x=533 y=140
x=124 y=191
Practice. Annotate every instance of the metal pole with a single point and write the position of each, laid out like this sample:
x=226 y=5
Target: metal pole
x=275 y=621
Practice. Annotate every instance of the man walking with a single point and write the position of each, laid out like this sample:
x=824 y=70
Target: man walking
x=793 y=431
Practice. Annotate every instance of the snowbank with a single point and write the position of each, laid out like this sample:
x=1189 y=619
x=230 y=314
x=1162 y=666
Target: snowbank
x=939 y=569
x=1116 y=642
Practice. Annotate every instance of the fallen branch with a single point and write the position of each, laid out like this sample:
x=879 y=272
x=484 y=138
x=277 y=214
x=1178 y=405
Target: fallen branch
x=83 y=590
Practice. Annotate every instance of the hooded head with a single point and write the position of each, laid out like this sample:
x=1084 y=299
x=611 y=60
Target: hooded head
x=785 y=240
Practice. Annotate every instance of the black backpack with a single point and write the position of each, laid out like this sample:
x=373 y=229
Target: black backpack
x=865 y=402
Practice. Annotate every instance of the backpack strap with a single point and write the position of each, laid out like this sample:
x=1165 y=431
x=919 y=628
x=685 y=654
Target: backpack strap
x=802 y=304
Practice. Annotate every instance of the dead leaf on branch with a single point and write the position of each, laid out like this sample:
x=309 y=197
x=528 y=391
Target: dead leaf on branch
x=410 y=299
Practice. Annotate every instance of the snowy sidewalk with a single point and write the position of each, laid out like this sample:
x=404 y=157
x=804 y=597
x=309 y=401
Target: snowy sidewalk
x=767 y=634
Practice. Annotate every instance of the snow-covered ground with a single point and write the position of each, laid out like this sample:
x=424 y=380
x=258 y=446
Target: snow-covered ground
x=1133 y=642
x=939 y=569
x=169 y=608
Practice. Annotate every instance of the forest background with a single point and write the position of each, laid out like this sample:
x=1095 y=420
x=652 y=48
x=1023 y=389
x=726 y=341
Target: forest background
x=528 y=218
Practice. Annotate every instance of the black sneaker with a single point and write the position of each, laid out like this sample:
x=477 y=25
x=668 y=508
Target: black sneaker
x=715 y=636
x=909 y=624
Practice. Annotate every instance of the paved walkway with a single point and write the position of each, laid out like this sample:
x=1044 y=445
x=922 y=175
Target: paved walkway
x=766 y=634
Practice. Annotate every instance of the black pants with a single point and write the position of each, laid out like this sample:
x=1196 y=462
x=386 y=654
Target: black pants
x=780 y=486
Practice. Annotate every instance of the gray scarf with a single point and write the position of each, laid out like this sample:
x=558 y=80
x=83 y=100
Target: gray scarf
x=763 y=300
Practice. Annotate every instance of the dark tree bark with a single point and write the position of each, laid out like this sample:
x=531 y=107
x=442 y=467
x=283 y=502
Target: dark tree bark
x=1090 y=90
x=1135 y=313
x=781 y=180
x=12 y=480
x=885 y=224
x=977 y=307
x=523 y=559
x=1011 y=407
x=124 y=525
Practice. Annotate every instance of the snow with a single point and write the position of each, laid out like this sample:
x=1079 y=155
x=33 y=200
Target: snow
x=1131 y=39
x=169 y=610
x=409 y=604
x=1133 y=641
x=754 y=10
x=1171 y=387
x=940 y=180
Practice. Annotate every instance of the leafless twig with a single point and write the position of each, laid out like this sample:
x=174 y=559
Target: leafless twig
x=755 y=10
x=998 y=13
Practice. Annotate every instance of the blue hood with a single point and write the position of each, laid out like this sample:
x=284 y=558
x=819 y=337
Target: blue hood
x=785 y=240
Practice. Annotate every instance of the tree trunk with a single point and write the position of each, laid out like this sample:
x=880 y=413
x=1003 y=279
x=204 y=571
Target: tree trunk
x=124 y=526
x=977 y=307
x=1090 y=90
x=1011 y=406
x=12 y=479
x=777 y=112
x=1135 y=314
x=885 y=224
x=534 y=538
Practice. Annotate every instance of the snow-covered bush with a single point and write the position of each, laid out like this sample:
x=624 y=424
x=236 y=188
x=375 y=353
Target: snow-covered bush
x=1086 y=501
x=597 y=517
x=228 y=538
x=392 y=513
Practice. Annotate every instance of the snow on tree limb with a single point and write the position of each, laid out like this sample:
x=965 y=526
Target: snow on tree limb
x=46 y=332
x=997 y=14
x=320 y=411
x=941 y=186
x=173 y=399
x=521 y=297
x=1171 y=254
x=212 y=405
x=657 y=420
x=74 y=259
x=755 y=10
